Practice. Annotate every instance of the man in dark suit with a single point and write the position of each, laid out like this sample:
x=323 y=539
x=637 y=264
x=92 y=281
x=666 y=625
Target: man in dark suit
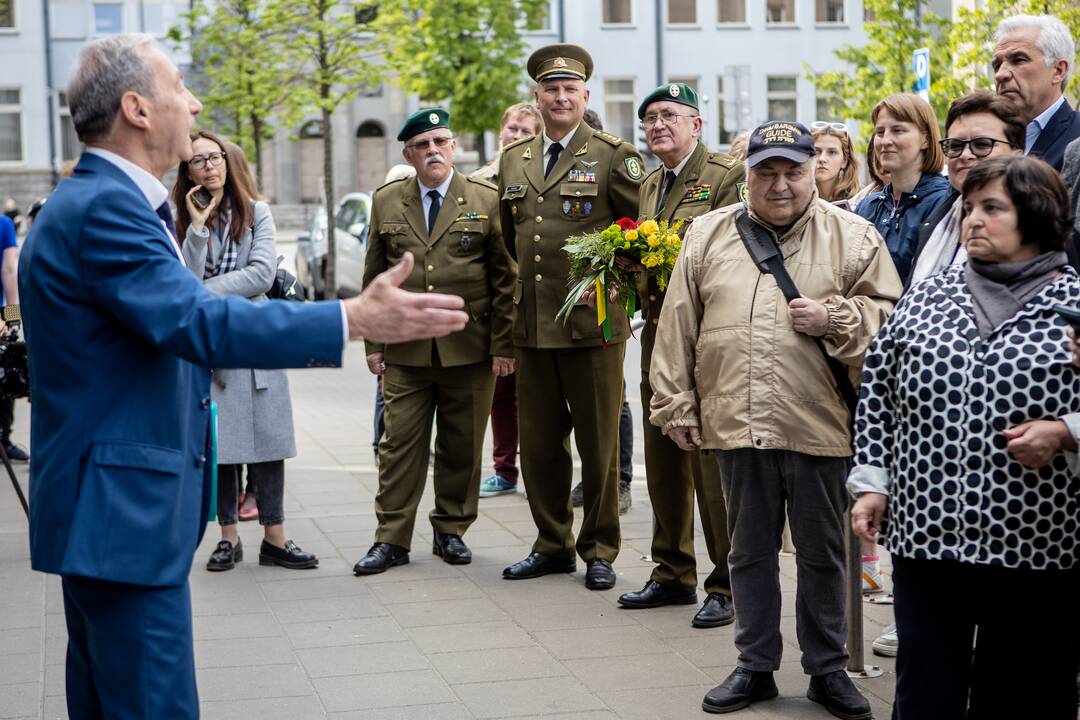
x=120 y=338
x=1032 y=62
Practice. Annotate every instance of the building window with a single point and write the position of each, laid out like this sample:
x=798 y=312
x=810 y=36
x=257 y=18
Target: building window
x=828 y=108
x=108 y=18
x=731 y=11
x=829 y=11
x=682 y=12
x=783 y=98
x=619 y=108
x=10 y=125
x=7 y=14
x=70 y=147
x=152 y=17
x=617 y=12
x=779 y=11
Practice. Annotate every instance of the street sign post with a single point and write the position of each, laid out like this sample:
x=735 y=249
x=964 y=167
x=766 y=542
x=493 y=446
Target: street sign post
x=920 y=59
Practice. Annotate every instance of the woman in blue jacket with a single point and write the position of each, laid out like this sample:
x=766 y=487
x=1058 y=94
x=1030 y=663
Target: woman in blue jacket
x=906 y=143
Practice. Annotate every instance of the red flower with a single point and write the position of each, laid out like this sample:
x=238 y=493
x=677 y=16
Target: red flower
x=625 y=224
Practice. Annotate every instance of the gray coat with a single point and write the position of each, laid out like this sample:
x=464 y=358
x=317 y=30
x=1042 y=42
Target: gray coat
x=1070 y=172
x=254 y=409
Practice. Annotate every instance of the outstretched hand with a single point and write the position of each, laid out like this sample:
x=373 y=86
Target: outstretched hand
x=386 y=313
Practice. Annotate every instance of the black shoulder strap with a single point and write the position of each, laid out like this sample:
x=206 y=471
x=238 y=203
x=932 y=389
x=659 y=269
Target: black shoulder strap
x=765 y=252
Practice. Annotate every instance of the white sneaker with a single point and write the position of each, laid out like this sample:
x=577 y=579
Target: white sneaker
x=886 y=643
x=872 y=582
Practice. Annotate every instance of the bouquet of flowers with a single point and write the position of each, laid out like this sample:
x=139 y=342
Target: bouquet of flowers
x=595 y=263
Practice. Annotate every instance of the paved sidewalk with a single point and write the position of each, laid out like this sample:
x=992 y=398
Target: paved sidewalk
x=426 y=640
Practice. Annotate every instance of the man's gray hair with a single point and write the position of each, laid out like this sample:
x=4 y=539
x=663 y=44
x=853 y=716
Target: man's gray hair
x=107 y=69
x=1054 y=41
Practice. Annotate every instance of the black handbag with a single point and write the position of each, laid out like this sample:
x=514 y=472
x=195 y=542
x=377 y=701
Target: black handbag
x=286 y=286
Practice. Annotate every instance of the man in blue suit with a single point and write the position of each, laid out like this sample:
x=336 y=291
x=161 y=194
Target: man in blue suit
x=120 y=338
x=1032 y=62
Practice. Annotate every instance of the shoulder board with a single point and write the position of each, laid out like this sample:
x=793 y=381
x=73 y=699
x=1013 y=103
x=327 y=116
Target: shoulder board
x=609 y=138
x=722 y=159
x=393 y=182
x=517 y=142
x=482 y=182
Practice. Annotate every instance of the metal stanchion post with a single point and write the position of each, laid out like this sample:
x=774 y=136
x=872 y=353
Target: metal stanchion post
x=856 y=667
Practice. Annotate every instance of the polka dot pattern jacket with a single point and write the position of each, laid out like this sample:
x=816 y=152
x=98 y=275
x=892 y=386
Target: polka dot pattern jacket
x=935 y=399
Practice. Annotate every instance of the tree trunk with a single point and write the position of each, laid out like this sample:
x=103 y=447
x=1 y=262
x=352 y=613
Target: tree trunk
x=256 y=141
x=481 y=149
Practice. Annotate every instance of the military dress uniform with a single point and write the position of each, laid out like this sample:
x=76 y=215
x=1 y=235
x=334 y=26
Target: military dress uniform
x=448 y=379
x=707 y=181
x=568 y=378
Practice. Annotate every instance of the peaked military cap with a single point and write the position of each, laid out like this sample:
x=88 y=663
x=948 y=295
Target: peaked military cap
x=672 y=92
x=423 y=120
x=560 y=61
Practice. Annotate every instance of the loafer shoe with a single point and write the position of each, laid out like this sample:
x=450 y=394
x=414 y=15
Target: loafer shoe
x=716 y=611
x=537 y=565
x=741 y=688
x=225 y=556
x=451 y=548
x=497 y=485
x=16 y=453
x=839 y=696
x=599 y=575
x=380 y=558
x=655 y=595
x=290 y=556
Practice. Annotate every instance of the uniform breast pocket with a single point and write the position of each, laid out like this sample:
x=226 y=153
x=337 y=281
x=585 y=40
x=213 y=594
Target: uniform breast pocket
x=578 y=200
x=514 y=196
x=467 y=238
x=394 y=236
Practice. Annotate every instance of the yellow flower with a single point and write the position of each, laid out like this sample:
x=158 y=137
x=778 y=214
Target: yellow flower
x=649 y=227
x=650 y=260
x=631 y=235
x=653 y=241
x=672 y=239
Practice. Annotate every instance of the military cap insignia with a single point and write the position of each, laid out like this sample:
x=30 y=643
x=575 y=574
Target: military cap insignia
x=527 y=155
x=633 y=168
x=433 y=119
x=584 y=149
x=673 y=90
x=559 y=63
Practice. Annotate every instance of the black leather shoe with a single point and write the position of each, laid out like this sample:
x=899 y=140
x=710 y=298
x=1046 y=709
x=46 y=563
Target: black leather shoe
x=599 y=575
x=839 y=696
x=289 y=556
x=380 y=558
x=225 y=556
x=741 y=688
x=655 y=595
x=716 y=611
x=451 y=548
x=536 y=565
x=16 y=453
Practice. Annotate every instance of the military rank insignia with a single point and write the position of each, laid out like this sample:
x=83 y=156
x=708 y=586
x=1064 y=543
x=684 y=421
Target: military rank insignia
x=582 y=176
x=472 y=216
x=527 y=155
x=633 y=168
x=698 y=192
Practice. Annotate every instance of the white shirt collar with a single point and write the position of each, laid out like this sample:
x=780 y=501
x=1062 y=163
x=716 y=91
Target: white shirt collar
x=442 y=189
x=564 y=140
x=1043 y=118
x=151 y=188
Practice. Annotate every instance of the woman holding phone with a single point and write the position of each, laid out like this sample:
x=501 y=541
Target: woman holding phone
x=228 y=242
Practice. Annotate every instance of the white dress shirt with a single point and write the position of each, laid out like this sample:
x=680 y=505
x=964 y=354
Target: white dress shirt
x=1036 y=126
x=442 y=190
x=564 y=141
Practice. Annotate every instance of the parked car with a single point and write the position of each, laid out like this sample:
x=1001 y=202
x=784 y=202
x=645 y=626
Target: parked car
x=350 y=238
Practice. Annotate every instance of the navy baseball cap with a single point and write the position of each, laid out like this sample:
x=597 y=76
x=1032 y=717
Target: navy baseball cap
x=782 y=139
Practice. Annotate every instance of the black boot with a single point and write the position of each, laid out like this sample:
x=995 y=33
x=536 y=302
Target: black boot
x=839 y=696
x=741 y=688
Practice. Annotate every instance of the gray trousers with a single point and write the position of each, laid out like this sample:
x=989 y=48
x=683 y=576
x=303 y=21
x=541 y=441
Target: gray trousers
x=759 y=485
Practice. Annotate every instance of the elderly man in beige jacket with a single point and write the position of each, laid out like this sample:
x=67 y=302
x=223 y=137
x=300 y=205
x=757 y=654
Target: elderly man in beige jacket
x=737 y=370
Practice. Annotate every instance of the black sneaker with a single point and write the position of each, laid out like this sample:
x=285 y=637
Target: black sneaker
x=16 y=453
x=225 y=556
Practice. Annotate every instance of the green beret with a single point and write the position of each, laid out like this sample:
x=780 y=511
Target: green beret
x=560 y=61
x=423 y=120
x=672 y=92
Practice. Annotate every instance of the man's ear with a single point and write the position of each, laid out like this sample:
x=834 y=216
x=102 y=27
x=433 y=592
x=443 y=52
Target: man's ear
x=133 y=109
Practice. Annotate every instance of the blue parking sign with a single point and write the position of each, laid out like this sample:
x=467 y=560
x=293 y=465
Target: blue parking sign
x=921 y=62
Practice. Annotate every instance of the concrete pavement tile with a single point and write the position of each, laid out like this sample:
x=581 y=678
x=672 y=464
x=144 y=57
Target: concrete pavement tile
x=707 y=647
x=20 y=699
x=241 y=683
x=55 y=626
x=543 y=696
x=332 y=633
x=492 y=537
x=242 y=652
x=576 y=715
x=786 y=707
x=379 y=691
x=597 y=642
x=445 y=711
x=504 y=664
x=635 y=672
x=22 y=668
x=473 y=636
x=362 y=659
x=491 y=561
x=549 y=590
x=588 y=614
x=449 y=612
x=56 y=651
x=674 y=621
x=55 y=708
x=352 y=538
x=20 y=641
x=55 y=680
x=17 y=617
x=305 y=707
x=426 y=590
x=524 y=528
x=354 y=522
x=225 y=627
x=331 y=608
x=670 y=703
x=293 y=588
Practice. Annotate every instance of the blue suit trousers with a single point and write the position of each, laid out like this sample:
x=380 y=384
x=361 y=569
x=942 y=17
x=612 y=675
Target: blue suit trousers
x=130 y=653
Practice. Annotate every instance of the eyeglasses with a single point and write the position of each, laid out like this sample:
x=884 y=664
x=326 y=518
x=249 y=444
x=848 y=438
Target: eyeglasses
x=825 y=125
x=669 y=118
x=213 y=160
x=422 y=145
x=980 y=146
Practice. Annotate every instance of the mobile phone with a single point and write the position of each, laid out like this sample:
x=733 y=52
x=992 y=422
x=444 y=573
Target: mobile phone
x=1071 y=316
x=201 y=198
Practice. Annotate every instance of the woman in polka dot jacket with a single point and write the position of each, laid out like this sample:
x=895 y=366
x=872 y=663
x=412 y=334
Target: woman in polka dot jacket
x=966 y=432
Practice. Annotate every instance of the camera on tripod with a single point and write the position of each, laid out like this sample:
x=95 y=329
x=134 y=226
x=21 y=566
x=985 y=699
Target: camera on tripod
x=14 y=367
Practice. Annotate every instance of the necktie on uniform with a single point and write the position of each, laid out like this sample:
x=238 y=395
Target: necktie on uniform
x=553 y=157
x=669 y=180
x=433 y=210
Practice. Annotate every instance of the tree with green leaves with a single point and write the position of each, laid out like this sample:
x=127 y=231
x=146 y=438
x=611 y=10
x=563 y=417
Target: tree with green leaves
x=243 y=82
x=327 y=43
x=469 y=53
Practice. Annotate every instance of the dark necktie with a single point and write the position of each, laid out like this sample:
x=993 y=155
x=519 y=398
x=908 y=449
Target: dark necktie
x=669 y=180
x=553 y=157
x=165 y=214
x=433 y=211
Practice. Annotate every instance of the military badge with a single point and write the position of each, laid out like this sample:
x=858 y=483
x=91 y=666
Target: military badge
x=587 y=207
x=527 y=155
x=433 y=118
x=740 y=188
x=698 y=192
x=559 y=63
x=633 y=168
x=465 y=243
x=582 y=150
x=588 y=165
x=673 y=90
x=566 y=207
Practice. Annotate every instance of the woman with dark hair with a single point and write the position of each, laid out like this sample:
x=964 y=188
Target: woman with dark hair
x=906 y=145
x=228 y=242
x=837 y=173
x=965 y=460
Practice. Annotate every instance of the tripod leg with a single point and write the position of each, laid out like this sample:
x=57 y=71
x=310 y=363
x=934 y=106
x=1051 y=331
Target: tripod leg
x=14 y=480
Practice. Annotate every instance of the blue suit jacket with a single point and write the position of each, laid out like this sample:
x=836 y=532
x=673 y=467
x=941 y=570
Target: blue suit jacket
x=120 y=337
x=1063 y=128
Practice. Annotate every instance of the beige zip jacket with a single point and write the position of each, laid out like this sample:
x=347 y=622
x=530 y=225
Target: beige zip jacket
x=727 y=359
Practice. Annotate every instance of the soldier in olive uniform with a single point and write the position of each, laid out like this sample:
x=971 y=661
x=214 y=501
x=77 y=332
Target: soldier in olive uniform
x=567 y=181
x=691 y=181
x=450 y=223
